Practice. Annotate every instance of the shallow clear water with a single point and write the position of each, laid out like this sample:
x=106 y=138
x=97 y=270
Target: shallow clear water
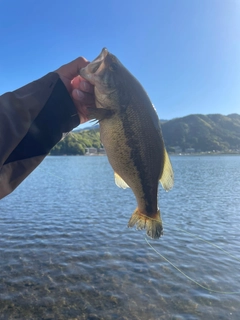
x=66 y=251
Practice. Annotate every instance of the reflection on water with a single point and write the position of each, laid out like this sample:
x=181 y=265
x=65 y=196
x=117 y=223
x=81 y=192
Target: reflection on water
x=66 y=252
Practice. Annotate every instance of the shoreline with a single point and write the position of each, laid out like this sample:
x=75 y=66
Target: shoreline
x=170 y=154
x=206 y=154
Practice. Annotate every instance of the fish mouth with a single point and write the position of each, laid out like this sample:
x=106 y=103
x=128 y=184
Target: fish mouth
x=93 y=66
x=102 y=55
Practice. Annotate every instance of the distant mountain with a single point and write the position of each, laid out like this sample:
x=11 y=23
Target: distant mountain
x=203 y=132
x=95 y=126
x=195 y=132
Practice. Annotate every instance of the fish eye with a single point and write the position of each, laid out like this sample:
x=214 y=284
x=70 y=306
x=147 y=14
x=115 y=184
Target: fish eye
x=113 y=67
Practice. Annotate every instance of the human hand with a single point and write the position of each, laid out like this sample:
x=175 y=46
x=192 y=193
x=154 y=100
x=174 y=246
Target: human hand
x=79 y=89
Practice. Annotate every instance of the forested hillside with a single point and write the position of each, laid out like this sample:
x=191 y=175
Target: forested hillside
x=201 y=132
x=76 y=143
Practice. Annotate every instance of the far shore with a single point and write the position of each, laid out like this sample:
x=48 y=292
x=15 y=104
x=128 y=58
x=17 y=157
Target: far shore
x=205 y=154
x=171 y=154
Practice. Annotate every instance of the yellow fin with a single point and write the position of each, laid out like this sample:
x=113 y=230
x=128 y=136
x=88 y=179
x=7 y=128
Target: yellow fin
x=167 y=178
x=153 y=226
x=119 y=181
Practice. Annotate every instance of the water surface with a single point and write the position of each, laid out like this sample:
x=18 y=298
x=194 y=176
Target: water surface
x=66 y=251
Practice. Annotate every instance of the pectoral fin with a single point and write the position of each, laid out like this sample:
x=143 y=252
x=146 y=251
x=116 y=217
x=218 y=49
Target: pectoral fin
x=99 y=113
x=119 y=181
x=167 y=178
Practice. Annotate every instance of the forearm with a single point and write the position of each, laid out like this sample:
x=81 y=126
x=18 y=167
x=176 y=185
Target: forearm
x=32 y=121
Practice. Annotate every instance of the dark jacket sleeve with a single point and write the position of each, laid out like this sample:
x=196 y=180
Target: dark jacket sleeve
x=32 y=120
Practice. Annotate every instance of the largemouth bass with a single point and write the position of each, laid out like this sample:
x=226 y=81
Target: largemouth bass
x=131 y=134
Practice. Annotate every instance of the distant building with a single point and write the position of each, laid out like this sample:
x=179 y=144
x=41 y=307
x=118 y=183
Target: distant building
x=101 y=151
x=177 y=149
x=189 y=150
x=94 y=151
x=91 y=151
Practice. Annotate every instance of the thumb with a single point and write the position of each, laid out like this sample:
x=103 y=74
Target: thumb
x=71 y=69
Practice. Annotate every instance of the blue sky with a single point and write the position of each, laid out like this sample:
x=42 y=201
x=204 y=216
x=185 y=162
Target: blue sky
x=186 y=53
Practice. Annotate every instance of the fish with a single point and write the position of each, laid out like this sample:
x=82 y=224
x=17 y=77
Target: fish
x=131 y=134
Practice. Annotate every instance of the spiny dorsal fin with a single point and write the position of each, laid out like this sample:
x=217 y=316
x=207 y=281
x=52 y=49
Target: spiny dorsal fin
x=119 y=181
x=167 y=178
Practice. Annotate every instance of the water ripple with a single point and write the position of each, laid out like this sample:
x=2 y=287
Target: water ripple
x=66 y=251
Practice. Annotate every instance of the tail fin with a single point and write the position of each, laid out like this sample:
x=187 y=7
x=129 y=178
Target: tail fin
x=153 y=226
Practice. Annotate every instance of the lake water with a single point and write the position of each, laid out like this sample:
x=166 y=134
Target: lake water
x=66 y=251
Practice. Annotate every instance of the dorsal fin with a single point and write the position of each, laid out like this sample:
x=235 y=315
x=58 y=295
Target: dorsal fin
x=167 y=178
x=119 y=181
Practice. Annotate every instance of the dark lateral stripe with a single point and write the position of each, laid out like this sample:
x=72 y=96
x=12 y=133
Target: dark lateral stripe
x=134 y=143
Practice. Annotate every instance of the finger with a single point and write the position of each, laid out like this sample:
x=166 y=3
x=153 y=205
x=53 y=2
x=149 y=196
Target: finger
x=83 y=113
x=86 y=86
x=83 y=97
x=76 y=82
x=71 y=69
x=81 y=84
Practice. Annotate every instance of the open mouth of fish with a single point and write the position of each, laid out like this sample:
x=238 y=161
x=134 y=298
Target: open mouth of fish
x=94 y=66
